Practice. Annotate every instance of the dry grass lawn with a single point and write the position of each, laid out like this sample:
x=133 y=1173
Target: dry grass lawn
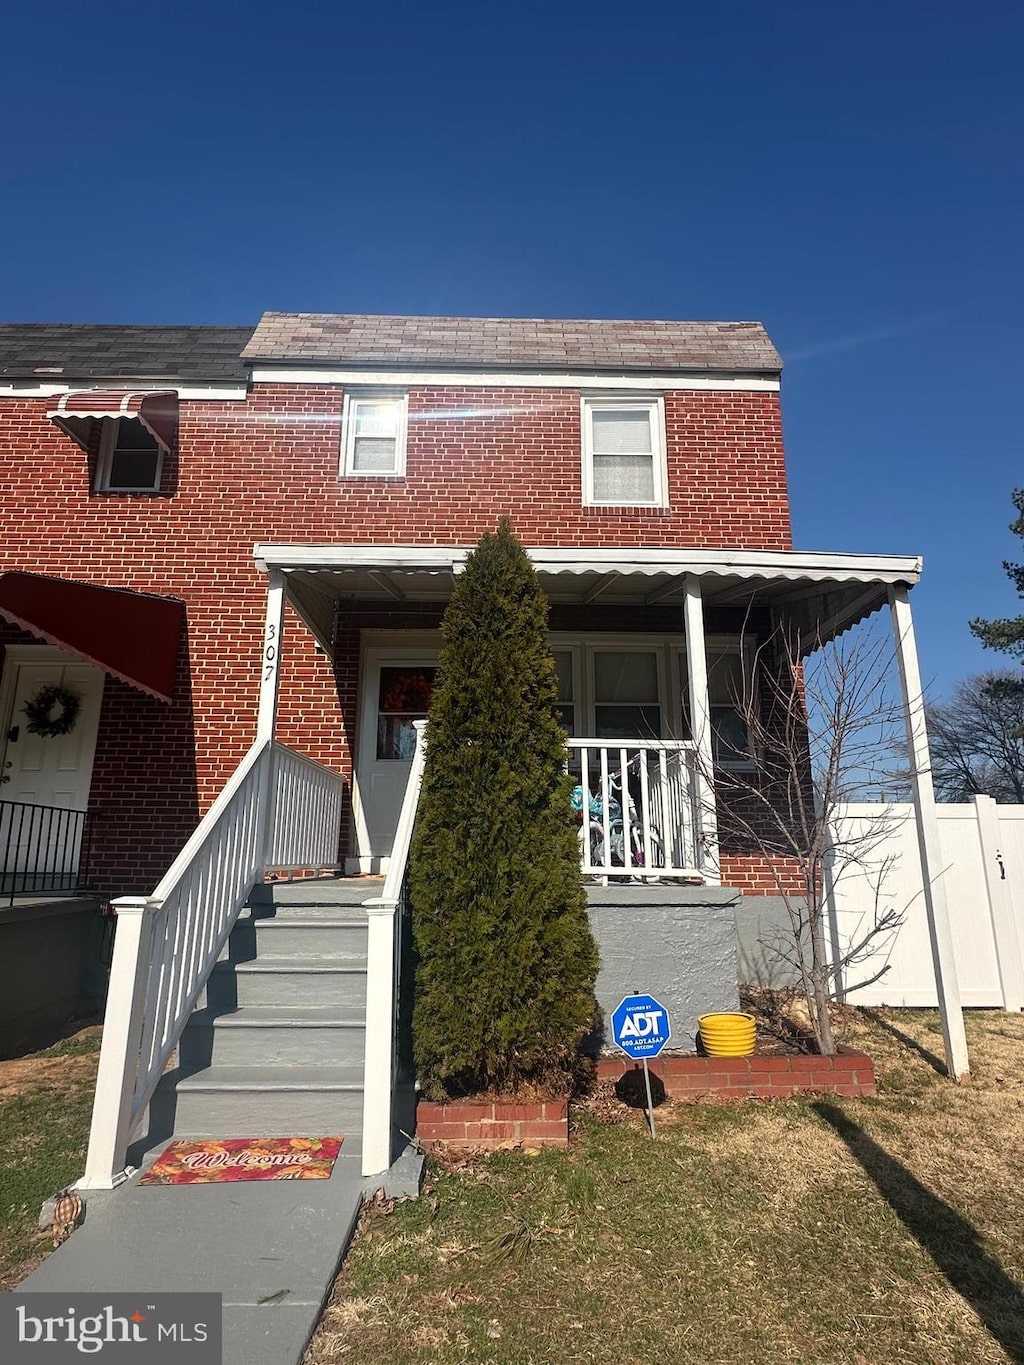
x=45 y=1104
x=868 y=1232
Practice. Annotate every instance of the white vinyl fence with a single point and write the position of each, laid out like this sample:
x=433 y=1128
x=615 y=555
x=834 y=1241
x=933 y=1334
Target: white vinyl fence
x=983 y=870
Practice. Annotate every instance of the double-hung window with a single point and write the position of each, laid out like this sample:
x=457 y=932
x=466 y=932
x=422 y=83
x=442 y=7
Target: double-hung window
x=130 y=458
x=626 y=694
x=731 y=694
x=373 y=434
x=624 y=452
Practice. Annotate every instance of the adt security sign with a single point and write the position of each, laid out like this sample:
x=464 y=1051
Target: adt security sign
x=640 y=1027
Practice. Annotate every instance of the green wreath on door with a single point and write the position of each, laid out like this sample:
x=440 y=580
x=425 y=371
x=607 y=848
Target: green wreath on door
x=44 y=720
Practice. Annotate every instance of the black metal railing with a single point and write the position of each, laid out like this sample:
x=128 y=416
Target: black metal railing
x=43 y=850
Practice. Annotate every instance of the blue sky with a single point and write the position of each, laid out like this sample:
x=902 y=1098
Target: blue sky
x=852 y=176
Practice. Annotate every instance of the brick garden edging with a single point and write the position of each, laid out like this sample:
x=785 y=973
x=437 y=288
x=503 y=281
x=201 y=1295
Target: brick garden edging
x=485 y=1126
x=766 y=1078
x=468 y=1124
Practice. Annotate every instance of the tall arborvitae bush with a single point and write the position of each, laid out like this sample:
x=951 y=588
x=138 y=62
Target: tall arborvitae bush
x=506 y=960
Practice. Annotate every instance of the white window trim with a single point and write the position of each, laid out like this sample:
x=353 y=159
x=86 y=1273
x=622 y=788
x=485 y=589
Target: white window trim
x=348 y=431
x=105 y=460
x=655 y=406
x=647 y=381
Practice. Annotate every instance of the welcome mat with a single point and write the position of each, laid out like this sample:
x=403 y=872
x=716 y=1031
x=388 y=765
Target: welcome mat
x=201 y=1161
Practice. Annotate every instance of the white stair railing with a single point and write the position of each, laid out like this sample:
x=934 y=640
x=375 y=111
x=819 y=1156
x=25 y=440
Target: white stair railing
x=639 y=805
x=306 y=805
x=383 y=964
x=168 y=943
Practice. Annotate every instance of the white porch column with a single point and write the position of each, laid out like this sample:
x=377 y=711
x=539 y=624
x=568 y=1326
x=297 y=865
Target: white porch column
x=271 y=657
x=935 y=901
x=266 y=716
x=1004 y=927
x=700 y=722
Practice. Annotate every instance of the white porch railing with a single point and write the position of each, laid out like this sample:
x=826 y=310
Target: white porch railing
x=388 y=923
x=639 y=805
x=167 y=943
x=306 y=804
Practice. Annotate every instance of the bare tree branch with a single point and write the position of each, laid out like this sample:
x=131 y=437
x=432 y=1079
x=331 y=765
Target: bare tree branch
x=977 y=739
x=822 y=731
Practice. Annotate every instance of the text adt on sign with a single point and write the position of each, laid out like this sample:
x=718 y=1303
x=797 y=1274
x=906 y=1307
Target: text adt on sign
x=640 y=1027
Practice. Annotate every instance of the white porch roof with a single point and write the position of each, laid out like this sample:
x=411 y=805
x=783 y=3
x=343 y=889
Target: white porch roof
x=819 y=594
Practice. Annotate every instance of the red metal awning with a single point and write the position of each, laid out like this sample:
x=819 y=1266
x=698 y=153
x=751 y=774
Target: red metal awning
x=157 y=410
x=131 y=635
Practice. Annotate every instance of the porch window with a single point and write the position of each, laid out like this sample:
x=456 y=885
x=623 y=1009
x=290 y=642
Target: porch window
x=626 y=697
x=729 y=684
x=373 y=434
x=624 y=452
x=129 y=458
x=727 y=689
x=404 y=696
x=566 y=702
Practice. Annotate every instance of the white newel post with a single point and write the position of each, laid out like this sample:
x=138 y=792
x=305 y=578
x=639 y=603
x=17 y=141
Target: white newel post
x=378 y=1079
x=1004 y=927
x=381 y=980
x=935 y=899
x=700 y=722
x=266 y=718
x=110 y=1133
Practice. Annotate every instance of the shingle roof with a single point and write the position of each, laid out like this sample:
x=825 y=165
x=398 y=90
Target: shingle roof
x=70 y=351
x=539 y=343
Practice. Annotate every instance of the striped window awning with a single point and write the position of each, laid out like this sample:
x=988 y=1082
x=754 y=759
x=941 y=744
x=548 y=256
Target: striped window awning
x=156 y=409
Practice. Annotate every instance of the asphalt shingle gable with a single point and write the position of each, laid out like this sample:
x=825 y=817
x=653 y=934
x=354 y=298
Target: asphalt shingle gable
x=530 y=343
x=79 y=351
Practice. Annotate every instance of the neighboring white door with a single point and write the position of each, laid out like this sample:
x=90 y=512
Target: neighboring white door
x=396 y=685
x=49 y=771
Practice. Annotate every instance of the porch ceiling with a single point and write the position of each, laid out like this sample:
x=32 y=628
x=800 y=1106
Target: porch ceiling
x=817 y=595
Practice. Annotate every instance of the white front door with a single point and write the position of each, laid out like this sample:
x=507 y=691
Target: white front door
x=396 y=686
x=44 y=770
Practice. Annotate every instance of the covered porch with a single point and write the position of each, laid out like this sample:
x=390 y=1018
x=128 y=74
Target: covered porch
x=654 y=648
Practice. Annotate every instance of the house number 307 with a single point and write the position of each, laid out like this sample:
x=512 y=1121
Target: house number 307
x=270 y=652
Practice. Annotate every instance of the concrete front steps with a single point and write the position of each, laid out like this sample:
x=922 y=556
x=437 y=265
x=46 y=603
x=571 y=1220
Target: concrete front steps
x=276 y=1048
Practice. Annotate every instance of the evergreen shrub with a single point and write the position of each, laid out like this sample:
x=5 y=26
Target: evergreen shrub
x=506 y=960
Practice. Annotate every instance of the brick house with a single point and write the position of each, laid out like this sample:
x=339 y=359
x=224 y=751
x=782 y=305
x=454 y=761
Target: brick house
x=219 y=538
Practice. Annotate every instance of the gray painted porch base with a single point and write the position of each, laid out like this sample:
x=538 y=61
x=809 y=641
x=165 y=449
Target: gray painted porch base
x=677 y=943
x=50 y=968
x=764 y=935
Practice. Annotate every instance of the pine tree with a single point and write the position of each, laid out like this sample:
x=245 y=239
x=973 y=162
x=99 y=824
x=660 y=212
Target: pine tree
x=506 y=960
x=1007 y=635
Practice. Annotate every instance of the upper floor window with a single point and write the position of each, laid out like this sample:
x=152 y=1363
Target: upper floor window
x=130 y=458
x=624 y=452
x=373 y=434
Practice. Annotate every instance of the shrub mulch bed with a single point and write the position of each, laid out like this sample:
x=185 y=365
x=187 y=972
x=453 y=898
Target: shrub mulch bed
x=784 y=1064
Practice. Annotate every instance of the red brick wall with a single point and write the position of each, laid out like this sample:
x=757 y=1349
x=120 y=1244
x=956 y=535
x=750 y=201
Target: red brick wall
x=766 y=1078
x=486 y=1126
x=267 y=470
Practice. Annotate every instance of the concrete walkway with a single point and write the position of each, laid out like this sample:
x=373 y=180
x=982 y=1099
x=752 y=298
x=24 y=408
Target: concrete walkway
x=271 y=1248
